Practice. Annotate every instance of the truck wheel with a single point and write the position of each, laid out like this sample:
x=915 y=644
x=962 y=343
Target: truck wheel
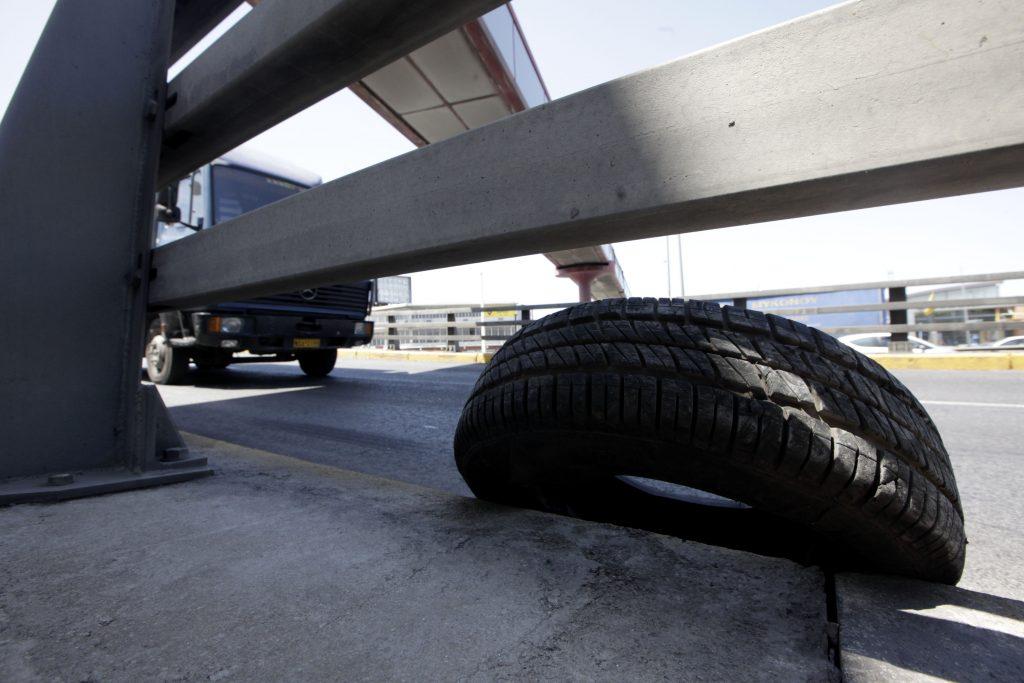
x=164 y=363
x=317 y=363
x=758 y=409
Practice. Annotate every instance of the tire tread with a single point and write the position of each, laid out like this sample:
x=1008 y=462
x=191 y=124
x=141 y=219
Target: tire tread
x=759 y=394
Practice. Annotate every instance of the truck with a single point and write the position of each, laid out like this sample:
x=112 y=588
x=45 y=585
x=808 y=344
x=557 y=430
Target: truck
x=308 y=326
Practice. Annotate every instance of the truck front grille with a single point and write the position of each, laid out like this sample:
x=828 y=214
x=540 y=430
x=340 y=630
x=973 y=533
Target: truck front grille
x=349 y=298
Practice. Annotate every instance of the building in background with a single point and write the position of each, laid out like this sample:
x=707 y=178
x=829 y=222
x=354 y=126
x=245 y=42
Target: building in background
x=978 y=290
x=424 y=327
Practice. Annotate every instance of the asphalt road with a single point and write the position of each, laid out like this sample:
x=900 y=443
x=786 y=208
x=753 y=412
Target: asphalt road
x=393 y=419
x=396 y=419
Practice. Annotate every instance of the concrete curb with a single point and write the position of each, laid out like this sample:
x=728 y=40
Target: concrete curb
x=430 y=356
x=952 y=361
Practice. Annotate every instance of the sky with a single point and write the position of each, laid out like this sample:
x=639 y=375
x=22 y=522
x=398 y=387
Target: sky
x=579 y=44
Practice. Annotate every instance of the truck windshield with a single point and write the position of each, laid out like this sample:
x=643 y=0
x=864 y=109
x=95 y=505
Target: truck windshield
x=237 y=191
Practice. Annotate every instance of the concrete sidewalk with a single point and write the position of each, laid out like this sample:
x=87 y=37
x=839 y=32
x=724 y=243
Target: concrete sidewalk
x=277 y=569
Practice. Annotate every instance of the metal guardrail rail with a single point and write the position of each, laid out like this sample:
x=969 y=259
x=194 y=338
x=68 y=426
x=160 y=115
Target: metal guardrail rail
x=594 y=167
x=283 y=57
x=989 y=302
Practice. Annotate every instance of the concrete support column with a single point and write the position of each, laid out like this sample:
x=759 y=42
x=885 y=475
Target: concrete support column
x=584 y=275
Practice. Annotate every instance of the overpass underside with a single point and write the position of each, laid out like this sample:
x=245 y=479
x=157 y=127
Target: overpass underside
x=473 y=76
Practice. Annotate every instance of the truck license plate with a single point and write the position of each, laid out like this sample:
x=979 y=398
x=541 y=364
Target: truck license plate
x=306 y=343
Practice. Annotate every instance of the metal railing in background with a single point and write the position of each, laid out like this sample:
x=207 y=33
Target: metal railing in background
x=977 y=319
x=462 y=327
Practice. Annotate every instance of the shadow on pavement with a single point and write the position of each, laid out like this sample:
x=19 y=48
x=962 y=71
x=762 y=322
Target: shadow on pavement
x=695 y=515
x=392 y=422
x=942 y=631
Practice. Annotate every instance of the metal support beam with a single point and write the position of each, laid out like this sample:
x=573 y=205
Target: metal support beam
x=286 y=55
x=78 y=156
x=898 y=317
x=864 y=104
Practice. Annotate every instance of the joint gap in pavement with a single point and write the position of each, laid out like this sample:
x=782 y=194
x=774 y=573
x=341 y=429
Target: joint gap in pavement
x=832 y=627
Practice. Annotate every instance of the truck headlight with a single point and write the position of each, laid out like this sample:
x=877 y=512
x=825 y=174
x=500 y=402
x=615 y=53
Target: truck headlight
x=215 y=323
x=230 y=325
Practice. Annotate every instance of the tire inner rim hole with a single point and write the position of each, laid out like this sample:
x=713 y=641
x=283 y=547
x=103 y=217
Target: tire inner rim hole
x=685 y=494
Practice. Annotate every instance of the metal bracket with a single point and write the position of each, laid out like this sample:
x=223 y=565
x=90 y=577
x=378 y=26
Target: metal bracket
x=164 y=459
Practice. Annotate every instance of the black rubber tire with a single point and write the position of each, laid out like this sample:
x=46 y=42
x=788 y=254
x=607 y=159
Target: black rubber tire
x=317 y=363
x=756 y=408
x=164 y=363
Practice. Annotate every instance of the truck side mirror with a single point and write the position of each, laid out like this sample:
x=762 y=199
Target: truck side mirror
x=168 y=215
x=167 y=210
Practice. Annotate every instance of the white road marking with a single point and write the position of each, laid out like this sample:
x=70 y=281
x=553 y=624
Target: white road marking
x=973 y=405
x=176 y=396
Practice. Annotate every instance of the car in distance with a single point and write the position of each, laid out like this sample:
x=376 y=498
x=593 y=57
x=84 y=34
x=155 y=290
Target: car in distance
x=873 y=343
x=1014 y=342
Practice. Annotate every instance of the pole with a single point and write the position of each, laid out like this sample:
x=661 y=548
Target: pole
x=668 y=267
x=898 y=340
x=679 y=253
x=483 y=316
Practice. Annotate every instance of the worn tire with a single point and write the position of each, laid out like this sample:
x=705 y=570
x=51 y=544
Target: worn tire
x=317 y=363
x=757 y=408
